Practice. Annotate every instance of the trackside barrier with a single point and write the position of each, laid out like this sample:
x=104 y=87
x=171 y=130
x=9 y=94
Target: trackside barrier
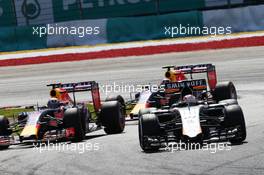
x=150 y=27
x=20 y=38
x=243 y=19
x=133 y=28
x=36 y=12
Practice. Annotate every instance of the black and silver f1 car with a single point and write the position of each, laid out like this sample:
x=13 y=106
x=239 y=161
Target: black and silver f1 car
x=64 y=117
x=192 y=110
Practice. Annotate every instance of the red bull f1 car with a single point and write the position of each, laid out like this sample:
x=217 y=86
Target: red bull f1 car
x=64 y=117
x=171 y=75
x=192 y=111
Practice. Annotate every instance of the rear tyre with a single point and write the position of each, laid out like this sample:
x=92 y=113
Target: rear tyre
x=112 y=117
x=72 y=118
x=85 y=118
x=148 y=126
x=234 y=117
x=224 y=91
x=4 y=130
x=121 y=100
x=118 y=98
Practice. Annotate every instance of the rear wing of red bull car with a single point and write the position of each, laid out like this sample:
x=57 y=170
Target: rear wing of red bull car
x=209 y=69
x=75 y=87
x=79 y=87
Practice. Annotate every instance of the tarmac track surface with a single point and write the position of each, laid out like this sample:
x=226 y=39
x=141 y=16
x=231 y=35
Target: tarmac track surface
x=121 y=154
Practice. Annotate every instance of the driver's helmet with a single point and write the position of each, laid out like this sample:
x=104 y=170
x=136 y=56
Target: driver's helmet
x=190 y=99
x=53 y=103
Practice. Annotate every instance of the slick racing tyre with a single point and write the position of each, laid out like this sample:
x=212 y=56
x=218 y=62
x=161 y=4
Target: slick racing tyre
x=120 y=99
x=4 y=130
x=85 y=118
x=148 y=126
x=73 y=119
x=112 y=117
x=234 y=118
x=224 y=91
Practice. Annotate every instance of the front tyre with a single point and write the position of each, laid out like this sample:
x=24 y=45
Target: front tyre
x=148 y=126
x=234 y=117
x=4 y=131
x=73 y=119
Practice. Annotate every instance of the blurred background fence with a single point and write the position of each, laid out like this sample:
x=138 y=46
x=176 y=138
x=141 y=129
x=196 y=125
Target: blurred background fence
x=119 y=20
x=35 y=12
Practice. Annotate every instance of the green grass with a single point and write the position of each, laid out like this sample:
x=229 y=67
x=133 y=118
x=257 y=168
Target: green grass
x=13 y=112
x=91 y=109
